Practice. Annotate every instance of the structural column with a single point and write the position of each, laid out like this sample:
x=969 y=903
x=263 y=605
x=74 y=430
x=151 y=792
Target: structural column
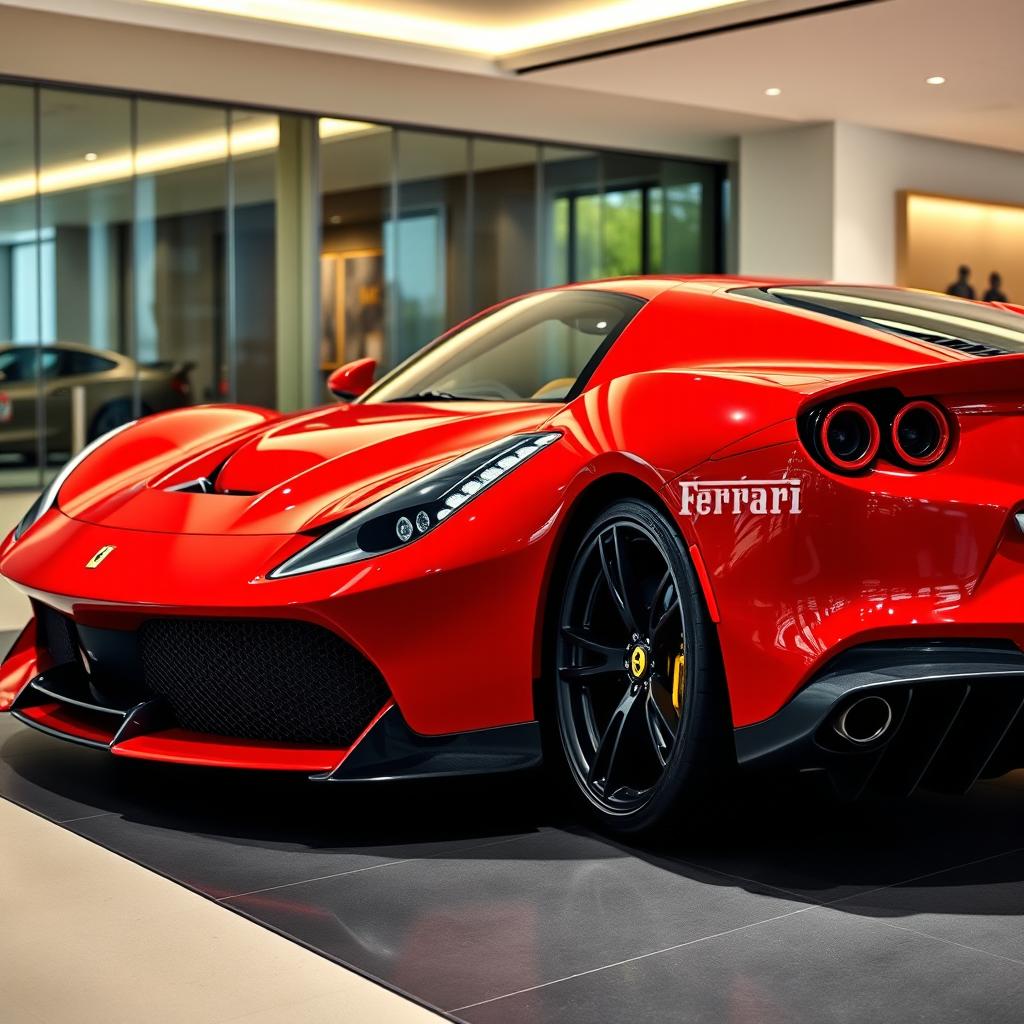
x=298 y=264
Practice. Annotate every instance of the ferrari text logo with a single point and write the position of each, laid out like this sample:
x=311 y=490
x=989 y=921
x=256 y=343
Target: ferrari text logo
x=758 y=497
x=99 y=556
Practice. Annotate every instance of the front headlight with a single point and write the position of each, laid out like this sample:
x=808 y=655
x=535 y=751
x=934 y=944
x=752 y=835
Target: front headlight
x=48 y=498
x=416 y=509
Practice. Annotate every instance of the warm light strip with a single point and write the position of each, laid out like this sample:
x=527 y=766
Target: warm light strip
x=190 y=151
x=451 y=34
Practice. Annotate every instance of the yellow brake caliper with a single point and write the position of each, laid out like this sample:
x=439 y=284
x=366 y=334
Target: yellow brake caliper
x=678 y=680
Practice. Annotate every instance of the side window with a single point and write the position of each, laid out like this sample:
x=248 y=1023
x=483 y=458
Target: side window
x=51 y=362
x=532 y=349
x=85 y=362
x=18 y=364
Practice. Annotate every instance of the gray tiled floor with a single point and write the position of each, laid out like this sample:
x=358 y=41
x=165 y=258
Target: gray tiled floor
x=485 y=900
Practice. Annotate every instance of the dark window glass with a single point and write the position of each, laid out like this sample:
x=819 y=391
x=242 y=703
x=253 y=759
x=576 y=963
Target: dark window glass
x=535 y=348
x=17 y=364
x=84 y=362
x=953 y=323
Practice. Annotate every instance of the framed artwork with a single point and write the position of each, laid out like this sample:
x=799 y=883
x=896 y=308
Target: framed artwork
x=352 y=306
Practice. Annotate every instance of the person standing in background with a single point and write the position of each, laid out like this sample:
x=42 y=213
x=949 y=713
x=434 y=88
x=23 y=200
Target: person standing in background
x=995 y=291
x=962 y=287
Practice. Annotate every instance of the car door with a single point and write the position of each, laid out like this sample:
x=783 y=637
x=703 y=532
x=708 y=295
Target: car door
x=57 y=398
x=18 y=395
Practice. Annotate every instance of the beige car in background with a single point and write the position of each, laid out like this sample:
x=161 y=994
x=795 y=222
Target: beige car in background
x=107 y=382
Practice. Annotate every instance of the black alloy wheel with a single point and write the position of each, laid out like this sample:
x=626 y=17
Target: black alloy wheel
x=638 y=703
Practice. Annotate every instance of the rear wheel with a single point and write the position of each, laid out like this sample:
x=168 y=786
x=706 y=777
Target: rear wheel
x=115 y=413
x=639 y=702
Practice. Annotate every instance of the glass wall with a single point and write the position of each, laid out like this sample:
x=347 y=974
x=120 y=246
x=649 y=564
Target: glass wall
x=139 y=238
x=26 y=284
x=137 y=265
x=250 y=270
x=429 y=228
x=431 y=236
x=356 y=176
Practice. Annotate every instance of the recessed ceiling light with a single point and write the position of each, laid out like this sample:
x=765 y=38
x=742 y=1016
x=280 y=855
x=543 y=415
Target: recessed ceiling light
x=773 y=91
x=91 y=157
x=936 y=80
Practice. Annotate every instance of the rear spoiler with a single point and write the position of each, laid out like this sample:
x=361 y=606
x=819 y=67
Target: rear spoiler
x=170 y=365
x=991 y=375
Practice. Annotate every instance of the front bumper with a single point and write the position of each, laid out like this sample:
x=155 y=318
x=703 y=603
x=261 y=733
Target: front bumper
x=63 y=701
x=458 y=652
x=955 y=716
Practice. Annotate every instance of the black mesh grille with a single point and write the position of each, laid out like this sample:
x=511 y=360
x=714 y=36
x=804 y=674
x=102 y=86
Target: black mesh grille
x=56 y=635
x=261 y=679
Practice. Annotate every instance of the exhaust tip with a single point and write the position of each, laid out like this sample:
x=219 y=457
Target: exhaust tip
x=920 y=434
x=865 y=720
x=849 y=436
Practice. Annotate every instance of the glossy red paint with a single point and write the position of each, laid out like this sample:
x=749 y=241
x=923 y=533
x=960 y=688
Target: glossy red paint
x=182 y=747
x=22 y=664
x=703 y=385
x=352 y=379
x=71 y=722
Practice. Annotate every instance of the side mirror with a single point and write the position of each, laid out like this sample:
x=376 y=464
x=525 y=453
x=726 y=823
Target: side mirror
x=352 y=379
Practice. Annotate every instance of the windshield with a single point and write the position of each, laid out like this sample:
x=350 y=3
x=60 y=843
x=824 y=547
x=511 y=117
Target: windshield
x=973 y=327
x=534 y=349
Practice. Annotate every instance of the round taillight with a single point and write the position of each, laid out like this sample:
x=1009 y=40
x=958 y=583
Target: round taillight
x=920 y=433
x=849 y=436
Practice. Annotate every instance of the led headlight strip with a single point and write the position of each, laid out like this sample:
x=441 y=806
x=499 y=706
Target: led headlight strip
x=48 y=498
x=416 y=509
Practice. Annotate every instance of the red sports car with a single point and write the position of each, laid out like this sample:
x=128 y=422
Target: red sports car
x=664 y=525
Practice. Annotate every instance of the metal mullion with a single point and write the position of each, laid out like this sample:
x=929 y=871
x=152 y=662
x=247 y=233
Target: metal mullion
x=37 y=156
x=230 y=268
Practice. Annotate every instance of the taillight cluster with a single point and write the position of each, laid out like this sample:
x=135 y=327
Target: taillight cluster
x=849 y=435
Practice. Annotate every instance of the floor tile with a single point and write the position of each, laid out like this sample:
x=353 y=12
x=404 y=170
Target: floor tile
x=461 y=928
x=979 y=905
x=458 y=892
x=818 y=965
x=54 y=784
x=227 y=833
x=821 y=849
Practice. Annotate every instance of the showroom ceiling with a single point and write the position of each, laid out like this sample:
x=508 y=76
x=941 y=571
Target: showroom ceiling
x=487 y=32
x=726 y=66
x=867 y=64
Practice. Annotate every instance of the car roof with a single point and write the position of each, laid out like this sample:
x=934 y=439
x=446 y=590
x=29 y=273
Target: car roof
x=647 y=286
x=67 y=346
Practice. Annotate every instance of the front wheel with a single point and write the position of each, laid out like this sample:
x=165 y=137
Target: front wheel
x=639 y=700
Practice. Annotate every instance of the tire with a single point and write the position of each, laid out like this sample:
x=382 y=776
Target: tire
x=114 y=413
x=641 y=735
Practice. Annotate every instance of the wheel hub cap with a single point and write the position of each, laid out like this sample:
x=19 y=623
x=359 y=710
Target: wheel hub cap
x=638 y=660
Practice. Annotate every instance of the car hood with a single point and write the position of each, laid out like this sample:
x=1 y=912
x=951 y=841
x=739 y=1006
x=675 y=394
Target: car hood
x=303 y=472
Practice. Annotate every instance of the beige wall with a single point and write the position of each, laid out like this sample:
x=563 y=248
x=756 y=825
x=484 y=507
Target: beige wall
x=786 y=202
x=942 y=233
x=822 y=201
x=874 y=166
